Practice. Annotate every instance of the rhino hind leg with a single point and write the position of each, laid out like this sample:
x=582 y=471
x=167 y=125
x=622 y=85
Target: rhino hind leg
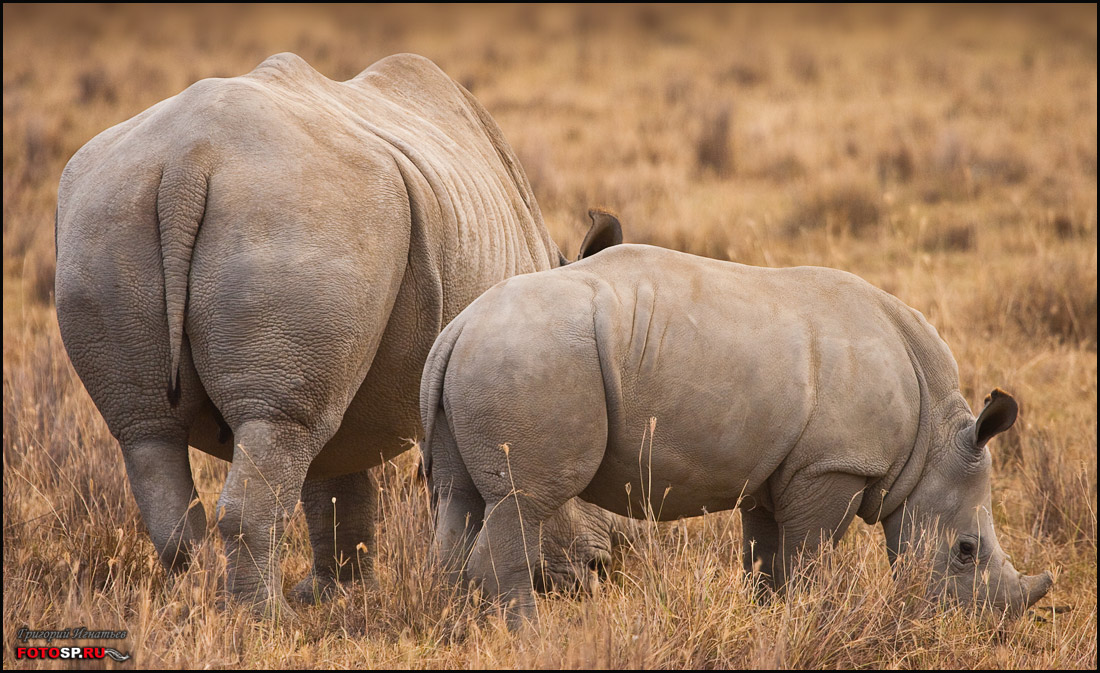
x=576 y=539
x=533 y=537
x=340 y=513
x=529 y=444
x=159 y=470
x=505 y=557
x=259 y=496
x=456 y=503
x=458 y=521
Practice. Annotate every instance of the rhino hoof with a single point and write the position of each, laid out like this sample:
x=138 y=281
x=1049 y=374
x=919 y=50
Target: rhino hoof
x=314 y=590
x=275 y=609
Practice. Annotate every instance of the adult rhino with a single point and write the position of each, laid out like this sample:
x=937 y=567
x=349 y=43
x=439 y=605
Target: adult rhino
x=805 y=396
x=259 y=265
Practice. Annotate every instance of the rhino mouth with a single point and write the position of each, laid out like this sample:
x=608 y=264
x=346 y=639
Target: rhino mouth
x=1013 y=598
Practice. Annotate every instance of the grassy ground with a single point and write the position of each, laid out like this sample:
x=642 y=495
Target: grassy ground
x=948 y=156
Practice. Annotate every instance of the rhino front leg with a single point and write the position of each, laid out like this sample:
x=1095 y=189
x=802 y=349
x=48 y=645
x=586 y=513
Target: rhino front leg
x=340 y=513
x=814 y=508
x=760 y=545
x=160 y=478
x=270 y=460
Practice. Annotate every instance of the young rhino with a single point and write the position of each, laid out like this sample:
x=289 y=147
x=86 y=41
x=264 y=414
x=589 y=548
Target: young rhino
x=804 y=395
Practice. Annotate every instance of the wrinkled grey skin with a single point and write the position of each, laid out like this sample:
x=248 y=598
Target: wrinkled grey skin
x=802 y=395
x=259 y=266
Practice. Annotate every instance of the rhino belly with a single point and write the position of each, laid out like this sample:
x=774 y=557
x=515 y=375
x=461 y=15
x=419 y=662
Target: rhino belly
x=674 y=480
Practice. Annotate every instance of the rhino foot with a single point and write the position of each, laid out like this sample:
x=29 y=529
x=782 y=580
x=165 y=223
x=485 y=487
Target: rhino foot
x=314 y=590
x=273 y=608
x=277 y=610
x=317 y=588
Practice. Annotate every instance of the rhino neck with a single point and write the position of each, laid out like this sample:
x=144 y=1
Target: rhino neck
x=938 y=384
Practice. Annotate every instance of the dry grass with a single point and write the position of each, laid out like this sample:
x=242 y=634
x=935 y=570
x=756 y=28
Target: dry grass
x=950 y=159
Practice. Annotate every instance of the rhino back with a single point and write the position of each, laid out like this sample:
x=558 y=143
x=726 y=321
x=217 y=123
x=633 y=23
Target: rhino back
x=389 y=186
x=488 y=220
x=752 y=374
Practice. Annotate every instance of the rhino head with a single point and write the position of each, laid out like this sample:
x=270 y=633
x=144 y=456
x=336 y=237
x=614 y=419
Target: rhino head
x=950 y=510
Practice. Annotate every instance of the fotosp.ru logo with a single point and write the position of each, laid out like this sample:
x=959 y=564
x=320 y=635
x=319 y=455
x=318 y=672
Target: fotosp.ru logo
x=78 y=633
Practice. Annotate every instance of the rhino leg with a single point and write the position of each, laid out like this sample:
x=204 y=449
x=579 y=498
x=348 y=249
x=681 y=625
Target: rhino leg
x=506 y=555
x=577 y=539
x=257 y=500
x=457 y=523
x=760 y=544
x=509 y=429
x=814 y=508
x=340 y=513
x=577 y=544
x=459 y=507
x=160 y=478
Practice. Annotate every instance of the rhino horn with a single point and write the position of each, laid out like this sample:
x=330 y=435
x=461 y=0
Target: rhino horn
x=1035 y=587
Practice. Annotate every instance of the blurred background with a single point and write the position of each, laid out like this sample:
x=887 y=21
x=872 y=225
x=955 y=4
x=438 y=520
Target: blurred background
x=769 y=135
x=946 y=154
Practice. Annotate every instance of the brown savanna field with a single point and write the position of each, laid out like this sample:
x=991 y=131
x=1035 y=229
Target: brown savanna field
x=945 y=155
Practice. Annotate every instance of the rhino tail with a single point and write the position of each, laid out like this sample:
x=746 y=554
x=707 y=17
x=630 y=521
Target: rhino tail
x=181 y=203
x=431 y=389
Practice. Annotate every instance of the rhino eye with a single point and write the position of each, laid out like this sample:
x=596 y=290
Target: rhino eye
x=966 y=550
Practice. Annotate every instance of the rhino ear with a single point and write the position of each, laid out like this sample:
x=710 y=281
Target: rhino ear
x=604 y=233
x=998 y=415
